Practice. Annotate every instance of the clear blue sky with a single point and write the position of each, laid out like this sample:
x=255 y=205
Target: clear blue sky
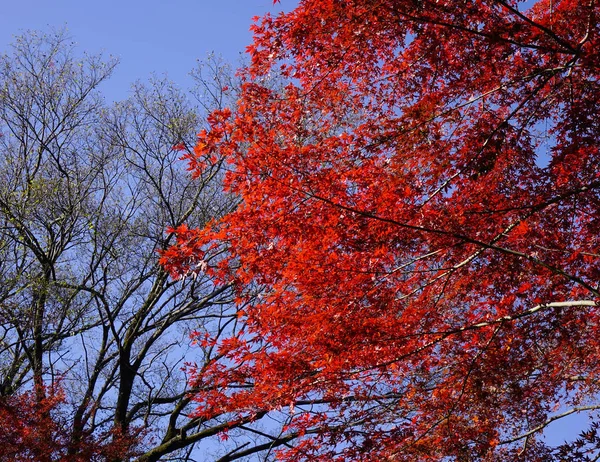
x=148 y=36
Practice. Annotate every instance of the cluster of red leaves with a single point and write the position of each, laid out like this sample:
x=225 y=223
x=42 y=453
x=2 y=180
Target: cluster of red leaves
x=33 y=428
x=421 y=207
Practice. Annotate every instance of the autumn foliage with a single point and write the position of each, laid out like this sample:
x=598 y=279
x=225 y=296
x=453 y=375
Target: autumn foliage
x=416 y=249
x=34 y=427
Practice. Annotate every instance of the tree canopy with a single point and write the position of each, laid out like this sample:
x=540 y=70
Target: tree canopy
x=416 y=249
x=94 y=335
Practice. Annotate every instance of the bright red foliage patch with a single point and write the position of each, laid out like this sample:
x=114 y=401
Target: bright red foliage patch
x=421 y=216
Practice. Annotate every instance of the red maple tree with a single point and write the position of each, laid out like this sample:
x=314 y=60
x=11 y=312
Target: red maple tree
x=420 y=218
x=34 y=427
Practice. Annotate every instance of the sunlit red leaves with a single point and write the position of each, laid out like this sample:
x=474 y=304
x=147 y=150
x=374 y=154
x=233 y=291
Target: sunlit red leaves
x=429 y=175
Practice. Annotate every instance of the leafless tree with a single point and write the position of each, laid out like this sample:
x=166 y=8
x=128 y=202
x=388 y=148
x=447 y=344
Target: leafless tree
x=87 y=191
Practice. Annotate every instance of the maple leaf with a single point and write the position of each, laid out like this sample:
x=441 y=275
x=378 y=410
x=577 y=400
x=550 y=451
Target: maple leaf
x=417 y=261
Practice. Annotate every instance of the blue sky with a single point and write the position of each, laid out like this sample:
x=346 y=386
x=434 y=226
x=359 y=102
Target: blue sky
x=147 y=36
